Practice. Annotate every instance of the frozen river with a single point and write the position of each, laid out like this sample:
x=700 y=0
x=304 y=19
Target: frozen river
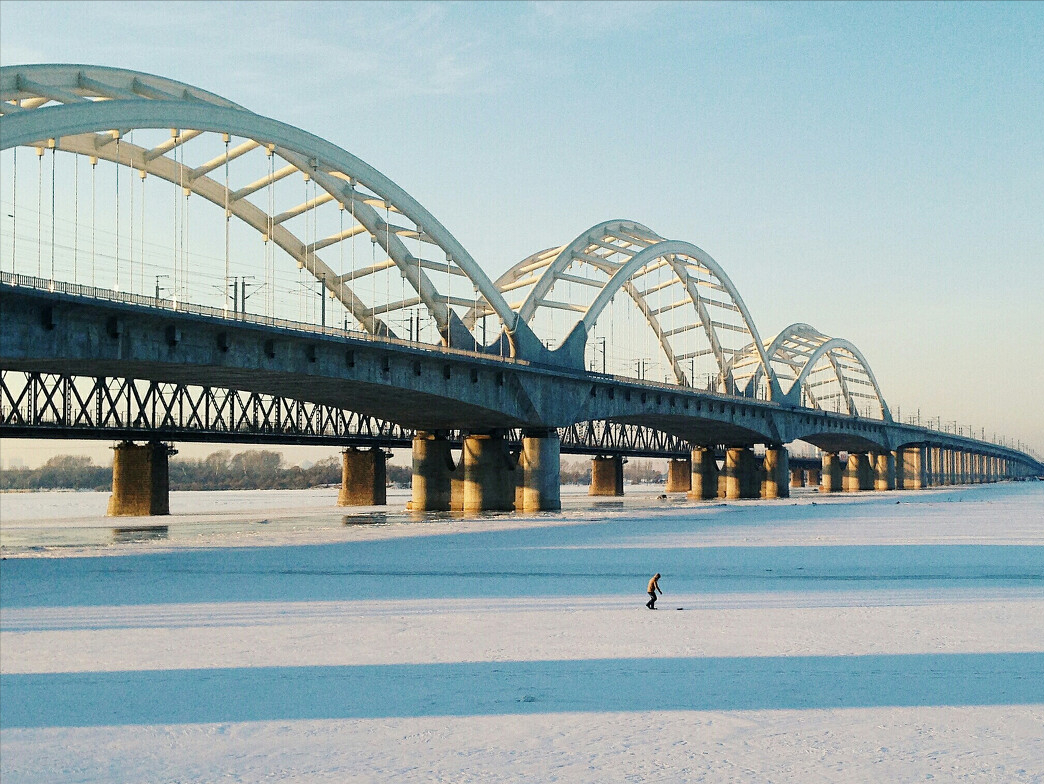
x=270 y=635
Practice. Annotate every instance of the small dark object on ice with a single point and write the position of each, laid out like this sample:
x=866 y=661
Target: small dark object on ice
x=662 y=496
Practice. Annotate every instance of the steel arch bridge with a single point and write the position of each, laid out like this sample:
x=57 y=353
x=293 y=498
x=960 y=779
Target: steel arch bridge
x=388 y=268
x=692 y=310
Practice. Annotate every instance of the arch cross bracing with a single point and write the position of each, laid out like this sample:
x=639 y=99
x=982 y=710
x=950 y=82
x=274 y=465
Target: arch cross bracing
x=89 y=111
x=685 y=298
x=818 y=371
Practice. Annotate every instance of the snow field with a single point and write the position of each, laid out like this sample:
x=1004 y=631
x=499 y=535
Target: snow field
x=854 y=640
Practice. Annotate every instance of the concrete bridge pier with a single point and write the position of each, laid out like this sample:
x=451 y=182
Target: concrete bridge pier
x=364 y=477
x=679 y=475
x=939 y=467
x=859 y=475
x=140 y=479
x=910 y=468
x=437 y=481
x=540 y=464
x=797 y=477
x=832 y=473
x=489 y=473
x=777 y=471
x=814 y=477
x=606 y=475
x=741 y=473
x=704 y=480
x=884 y=470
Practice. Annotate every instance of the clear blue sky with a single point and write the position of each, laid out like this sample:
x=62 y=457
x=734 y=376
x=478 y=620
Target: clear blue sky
x=874 y=170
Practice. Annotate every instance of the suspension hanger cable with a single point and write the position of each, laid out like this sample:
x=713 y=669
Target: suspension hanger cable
x=94 y=218
x=76 y=212
x=373 y=281
x=53 y=152
x=130 y=223
x=340 y=250
x=117 y=286
x=420 y=297
x=186 y=235
x=270 y=249
x=174 y=226
x=39 y=213
x=388 y=275
x=141 y=175
x=351 y=196
x=228 y=140
x=14 y=209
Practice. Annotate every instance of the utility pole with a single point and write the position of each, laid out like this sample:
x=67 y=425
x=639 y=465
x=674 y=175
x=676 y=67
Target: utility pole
x=158 y=287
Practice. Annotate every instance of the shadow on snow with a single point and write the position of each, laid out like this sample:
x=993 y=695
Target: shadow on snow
x=514 y=688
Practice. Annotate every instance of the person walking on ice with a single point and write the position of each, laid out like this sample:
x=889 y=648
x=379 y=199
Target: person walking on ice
x=654 y=588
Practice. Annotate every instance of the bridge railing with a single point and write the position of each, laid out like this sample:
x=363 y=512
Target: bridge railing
x=242 y=317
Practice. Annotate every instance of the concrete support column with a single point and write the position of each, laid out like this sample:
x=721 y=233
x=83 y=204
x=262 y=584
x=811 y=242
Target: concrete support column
x=741 y=474
x=884 y=470
x=935 y=470
x=814 y=477
x=606 y=475
x=832 y=473
x=140 y=479
x=540 y=462
x=911 y=468
x=859 y=473
x=364 y=478
x=437 y=482
x=704 y=478
x=777 y=470
x=797 y=477
x=489 y=474
x=679 y=475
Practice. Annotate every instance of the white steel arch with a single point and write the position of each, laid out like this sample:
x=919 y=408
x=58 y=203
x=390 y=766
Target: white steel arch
x=622 y=255
x=83 y=109
x=813 y=368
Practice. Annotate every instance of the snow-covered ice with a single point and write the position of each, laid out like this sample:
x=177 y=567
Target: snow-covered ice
x=271 y=636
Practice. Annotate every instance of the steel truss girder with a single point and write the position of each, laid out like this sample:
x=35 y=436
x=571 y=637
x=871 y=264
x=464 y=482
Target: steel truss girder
x=49 y=405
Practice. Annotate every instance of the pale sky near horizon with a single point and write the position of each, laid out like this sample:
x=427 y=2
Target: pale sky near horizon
x=875 y=170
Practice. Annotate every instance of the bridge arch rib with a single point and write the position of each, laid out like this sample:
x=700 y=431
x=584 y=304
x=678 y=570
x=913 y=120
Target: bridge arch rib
x=666 y=280
x=89 y=111
x=813 y=368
